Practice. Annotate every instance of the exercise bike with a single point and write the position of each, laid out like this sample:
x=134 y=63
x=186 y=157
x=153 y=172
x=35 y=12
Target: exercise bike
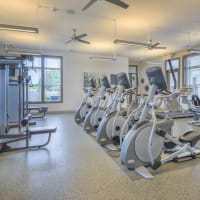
x=148 y=140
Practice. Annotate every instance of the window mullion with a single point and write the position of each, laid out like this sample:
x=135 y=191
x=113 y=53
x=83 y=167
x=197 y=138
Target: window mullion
x=43 y=77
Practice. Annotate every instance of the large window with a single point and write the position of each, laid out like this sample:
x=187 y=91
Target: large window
x=192 y=73
x=45 y=74
x=133 y=76
x=170 y=81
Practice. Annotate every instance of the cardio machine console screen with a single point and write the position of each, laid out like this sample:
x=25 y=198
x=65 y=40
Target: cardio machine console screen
x=123 y=80
x=105 y=82
x=92 y=82
x=113 y=79
x=155 y=76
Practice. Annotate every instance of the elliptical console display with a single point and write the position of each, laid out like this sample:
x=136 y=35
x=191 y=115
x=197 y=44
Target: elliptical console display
x=122 y=79
x=105 y=82
x=155 y=76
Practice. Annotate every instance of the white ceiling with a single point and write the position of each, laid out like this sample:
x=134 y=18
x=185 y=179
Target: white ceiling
x=173 y=23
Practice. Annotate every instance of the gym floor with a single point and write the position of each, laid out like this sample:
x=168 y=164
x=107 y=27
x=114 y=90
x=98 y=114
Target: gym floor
x=74 y=167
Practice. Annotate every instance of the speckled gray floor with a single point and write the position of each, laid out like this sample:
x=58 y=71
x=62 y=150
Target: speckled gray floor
x=74 y=167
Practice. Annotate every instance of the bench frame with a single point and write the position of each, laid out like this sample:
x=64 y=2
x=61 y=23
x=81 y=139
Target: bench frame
x=26 y=136
x=41 y=111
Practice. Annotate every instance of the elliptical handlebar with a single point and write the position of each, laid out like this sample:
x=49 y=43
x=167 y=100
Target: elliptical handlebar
x=131 y=90
x=111 y=90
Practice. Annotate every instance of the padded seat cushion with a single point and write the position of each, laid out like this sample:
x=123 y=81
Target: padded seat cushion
x=38 y=108
x=42 y=130
x=43 y=109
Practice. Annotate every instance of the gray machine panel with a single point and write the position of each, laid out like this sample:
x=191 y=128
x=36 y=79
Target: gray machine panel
x=3 y=98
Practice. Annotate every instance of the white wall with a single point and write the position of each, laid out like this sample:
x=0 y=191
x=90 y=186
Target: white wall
x=74 y=66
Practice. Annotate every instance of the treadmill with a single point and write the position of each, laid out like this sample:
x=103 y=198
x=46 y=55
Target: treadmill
x=176 y=110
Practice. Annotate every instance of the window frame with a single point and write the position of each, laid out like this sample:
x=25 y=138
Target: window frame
x=43 y=79
x=184 y=74
x=135 y=73
x=167 y=72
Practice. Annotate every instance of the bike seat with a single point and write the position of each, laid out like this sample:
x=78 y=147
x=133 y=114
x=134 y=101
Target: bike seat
x=191 y=137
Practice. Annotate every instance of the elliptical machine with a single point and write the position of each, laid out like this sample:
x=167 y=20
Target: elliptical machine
x=147 y=140
x=105 y=127
x=97 y=110
x=85 y=106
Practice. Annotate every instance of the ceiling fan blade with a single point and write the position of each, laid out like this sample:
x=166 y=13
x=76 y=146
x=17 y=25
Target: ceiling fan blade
x=155 y=45
x=140 y=44
x=118 y=3
x=67 y=42
x=89 y=4
x=83 y=41
x=81 y=36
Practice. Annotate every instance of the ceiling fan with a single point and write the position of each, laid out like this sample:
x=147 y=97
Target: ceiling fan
x=149 y=45
x=115 y=2
x=78 y=38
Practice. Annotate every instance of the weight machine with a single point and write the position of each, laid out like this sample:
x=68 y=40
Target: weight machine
x=12 y=106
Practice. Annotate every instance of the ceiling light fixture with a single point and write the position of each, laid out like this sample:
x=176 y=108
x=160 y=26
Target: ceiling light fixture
x=194 y=50
x=129 y=43
x=18 y=28
x=153 y=63
x=23 y=52
x=149 y=45
x=103 y=58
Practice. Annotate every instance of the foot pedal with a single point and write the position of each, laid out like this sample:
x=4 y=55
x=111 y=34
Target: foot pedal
x=143 y=171
x=112 y=147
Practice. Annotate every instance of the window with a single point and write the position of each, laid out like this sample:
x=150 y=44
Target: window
x=170 y=81
x=192 y=73
x=45 y=74
x=133 y=76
